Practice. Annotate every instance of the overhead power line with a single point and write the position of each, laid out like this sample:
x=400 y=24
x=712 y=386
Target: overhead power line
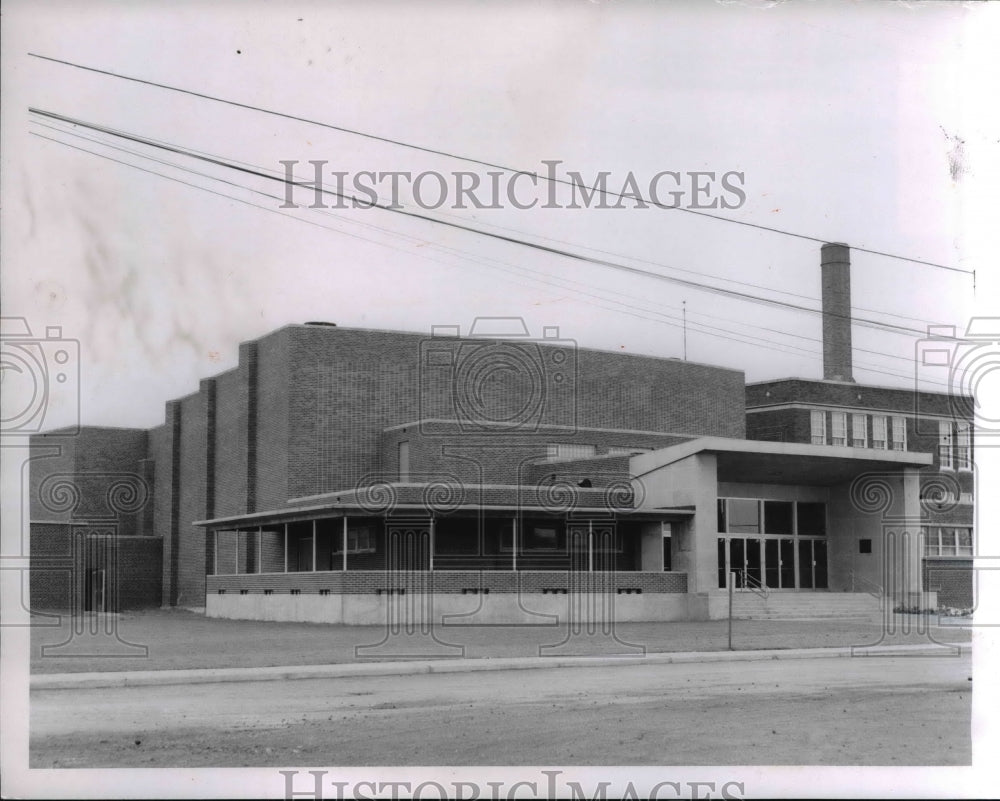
x=619 y=306
x=394 y=209
x=469 y=228
x=483 y=163
x=476 y=258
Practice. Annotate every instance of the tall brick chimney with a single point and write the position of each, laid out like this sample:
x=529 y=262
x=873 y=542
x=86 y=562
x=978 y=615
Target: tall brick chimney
x=835 y=264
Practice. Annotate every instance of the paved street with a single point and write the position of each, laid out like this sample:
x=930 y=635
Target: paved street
x=843 y=711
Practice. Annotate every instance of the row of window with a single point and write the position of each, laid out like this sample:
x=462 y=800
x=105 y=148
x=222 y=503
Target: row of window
x=886 y=432
x=567 y=451
x=751 y=516
x=955 y=444
x=947 y=541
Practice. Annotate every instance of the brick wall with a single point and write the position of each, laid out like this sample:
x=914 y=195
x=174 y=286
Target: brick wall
x=133 y=565
x=952 y=578
x=903 y=401
x=191 y=499
x=139 y=572
x=350 y=385
x=51 y=546
x=231 y=444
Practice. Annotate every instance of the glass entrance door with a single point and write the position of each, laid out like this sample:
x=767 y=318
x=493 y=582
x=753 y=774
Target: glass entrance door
x=812 y=564
x=779 y=563
x=741 y=555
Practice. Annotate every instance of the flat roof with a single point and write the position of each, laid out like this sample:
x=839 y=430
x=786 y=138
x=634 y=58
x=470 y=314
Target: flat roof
x=761 y=462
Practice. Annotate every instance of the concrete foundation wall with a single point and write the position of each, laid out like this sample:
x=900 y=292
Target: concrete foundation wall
x=448 y=609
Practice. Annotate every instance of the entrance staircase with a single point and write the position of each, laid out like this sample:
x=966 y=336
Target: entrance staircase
x=802 y=605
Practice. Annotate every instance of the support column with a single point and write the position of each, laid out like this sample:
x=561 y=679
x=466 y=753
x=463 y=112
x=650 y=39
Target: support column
x=344 y=545
x=912 y=554
x=514 y=546
x=590 y=546
x=430 y=555
x=286 y=547
x=314 y=548
x=260 y=544
x=215 y=552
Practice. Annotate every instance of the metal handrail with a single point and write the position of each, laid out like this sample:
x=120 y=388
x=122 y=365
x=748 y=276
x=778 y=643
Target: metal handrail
x=868 y=586
x=756 y=586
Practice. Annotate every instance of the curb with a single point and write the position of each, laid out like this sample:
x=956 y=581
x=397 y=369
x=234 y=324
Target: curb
x=149 y=678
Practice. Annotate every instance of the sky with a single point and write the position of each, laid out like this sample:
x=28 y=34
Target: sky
x=852 y=123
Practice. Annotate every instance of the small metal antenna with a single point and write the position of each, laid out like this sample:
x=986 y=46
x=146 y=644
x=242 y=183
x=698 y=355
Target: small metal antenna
x=685 y=311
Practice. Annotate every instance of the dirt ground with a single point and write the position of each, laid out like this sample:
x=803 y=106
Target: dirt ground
x=847 y=711
x=178 y=639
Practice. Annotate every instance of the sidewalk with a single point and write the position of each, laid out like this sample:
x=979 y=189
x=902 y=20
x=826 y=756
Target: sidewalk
x=145 y=678
x=188 y=647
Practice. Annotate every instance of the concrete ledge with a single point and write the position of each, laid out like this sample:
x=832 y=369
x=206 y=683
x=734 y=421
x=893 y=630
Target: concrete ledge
x=146 y=678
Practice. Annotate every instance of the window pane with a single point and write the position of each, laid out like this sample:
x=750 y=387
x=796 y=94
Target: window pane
x=944 y=443
x=965 y=542
x=541 y=538
x=667 y=555
x=879 y=432
x=839 y=434
x=812 y=519
x=859 y=430
x=778 y=517
x=720 y=512
x=899 y=433
x=744 y=516
x=817 y=425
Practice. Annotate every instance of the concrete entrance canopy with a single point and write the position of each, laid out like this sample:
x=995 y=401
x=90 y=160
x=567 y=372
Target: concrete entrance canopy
x=873 y=512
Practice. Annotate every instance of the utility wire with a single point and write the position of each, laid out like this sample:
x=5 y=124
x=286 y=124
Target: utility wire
x=660 y=317
x=703 y=274
x=471 y=160
x=891 y=327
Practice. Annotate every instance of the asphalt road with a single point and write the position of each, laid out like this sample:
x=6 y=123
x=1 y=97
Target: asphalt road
x=841 y=711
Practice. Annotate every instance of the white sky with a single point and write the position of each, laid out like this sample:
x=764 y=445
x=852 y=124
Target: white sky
x=844 y=120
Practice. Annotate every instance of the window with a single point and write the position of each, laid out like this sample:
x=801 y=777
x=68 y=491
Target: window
x=616 y=450
x=859 y=430
x=864 y=546
x=817 y=426
x=839 y=432
x=944 y=444
x=779 y=517
x=811 y=518
x=744 y=516
x=359 y=540
x=541 y=537
x=668 y=560
x=963 y=456
x=561 y=452
x=404 y=460
x=946 y=541
x=878 y=432
x=899 y=433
